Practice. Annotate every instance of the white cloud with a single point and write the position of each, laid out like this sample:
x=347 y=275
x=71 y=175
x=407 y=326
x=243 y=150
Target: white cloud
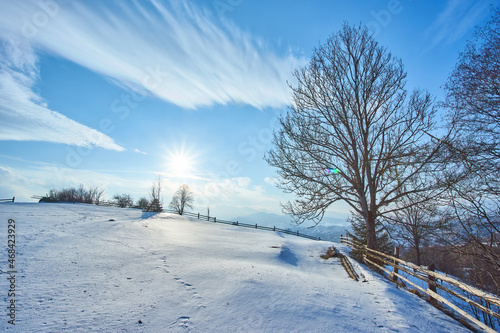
x=13 y=184
x=139 y=151
x=23 y=113
x=271 y=181
x=236 y=191
x=177 y=52
x=38 y=178
x=457 y=19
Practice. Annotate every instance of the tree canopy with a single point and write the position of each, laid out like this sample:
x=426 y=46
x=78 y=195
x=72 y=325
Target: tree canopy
x=352 y=113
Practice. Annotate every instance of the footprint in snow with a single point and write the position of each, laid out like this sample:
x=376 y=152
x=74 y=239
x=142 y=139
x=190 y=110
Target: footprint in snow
x=182 y=322
x=189 y=287
x=186 y=285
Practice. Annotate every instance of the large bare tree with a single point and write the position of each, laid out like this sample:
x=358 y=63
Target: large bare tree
x=352 y=114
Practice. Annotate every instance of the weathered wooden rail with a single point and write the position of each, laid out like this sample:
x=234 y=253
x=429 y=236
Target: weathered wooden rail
x=8 y=200
x=428 y=275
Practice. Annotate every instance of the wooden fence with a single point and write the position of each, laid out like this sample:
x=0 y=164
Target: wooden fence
x=383 y=261
x=8 y=200
x=245 y=225
x=109 y=204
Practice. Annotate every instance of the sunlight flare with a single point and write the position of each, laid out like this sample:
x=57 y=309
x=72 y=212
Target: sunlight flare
x=180 y=163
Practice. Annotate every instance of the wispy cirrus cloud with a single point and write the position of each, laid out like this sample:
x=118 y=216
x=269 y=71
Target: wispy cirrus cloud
x=176 y=51
x=457 y=19
x=23 y=113
x=138 y=151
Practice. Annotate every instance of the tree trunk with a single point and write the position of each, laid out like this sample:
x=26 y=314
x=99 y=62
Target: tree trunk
x=371 y=237
x=417 y=252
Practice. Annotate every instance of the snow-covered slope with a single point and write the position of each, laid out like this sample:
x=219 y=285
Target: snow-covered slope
x=83 y=268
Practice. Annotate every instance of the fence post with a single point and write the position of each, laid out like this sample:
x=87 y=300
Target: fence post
x=255 y=225
x=274 y=228
x=396 y=270
x=432 y=284
x=236 y=222
x=198 y=216
x=341 y=239
x=13 y=198
x=215 y=220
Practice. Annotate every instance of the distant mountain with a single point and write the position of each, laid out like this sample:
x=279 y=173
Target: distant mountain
x=225 y=212
x=266 y=219
x=283 y=221
x=327 y=230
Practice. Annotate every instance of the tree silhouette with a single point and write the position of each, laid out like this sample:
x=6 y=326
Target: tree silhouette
x=182 y=199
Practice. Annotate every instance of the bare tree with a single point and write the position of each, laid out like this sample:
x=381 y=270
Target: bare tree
x=351 y=114
x=123 y=200
x=80 y=193
x=473 y=99
x=90 y=195
x=182 y=199
x=68 y=194
x=96 y=194
x=143 y=203
x=156 y=204
x=415 y=224
x=473 y=102
x=52 y=196
x=475 y=236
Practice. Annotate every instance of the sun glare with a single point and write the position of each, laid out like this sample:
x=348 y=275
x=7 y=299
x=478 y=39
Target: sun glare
x=180 y=164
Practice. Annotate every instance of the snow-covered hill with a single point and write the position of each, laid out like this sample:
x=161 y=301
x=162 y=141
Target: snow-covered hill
x=83 y=268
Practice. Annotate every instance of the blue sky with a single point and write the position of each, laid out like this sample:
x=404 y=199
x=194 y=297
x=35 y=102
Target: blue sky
x=111 y=93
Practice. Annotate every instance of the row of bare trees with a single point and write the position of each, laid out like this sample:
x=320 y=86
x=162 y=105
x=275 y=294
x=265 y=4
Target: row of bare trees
x=182 y=199
x=404 y=175
x=92 y=195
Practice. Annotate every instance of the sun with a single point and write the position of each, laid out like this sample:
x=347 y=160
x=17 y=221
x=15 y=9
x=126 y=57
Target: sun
x=180 y=163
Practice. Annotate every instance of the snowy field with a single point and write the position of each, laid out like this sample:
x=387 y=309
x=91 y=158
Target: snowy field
x=83 y=268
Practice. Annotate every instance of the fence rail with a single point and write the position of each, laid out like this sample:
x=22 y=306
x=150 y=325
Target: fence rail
x=428 y=275
x=245 y=225
x=107 y=204
x=8 y=200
